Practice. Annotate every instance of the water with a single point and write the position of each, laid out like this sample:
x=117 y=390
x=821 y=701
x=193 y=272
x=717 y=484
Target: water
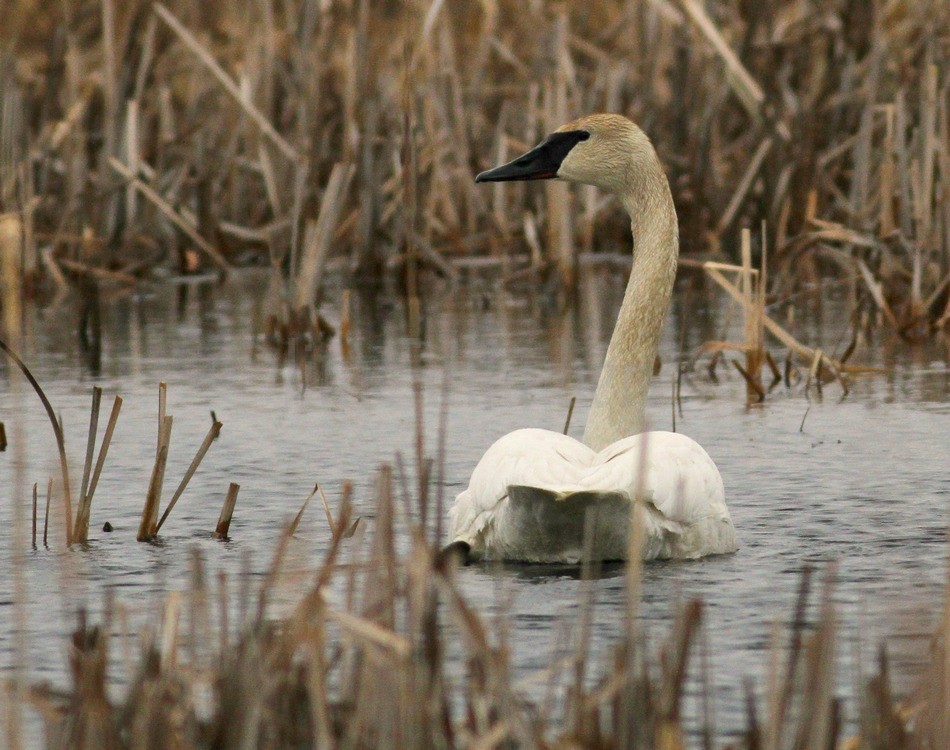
x=862 y=481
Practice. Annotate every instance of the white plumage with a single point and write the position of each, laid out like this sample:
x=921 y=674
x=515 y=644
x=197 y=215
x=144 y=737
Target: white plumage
x=531 y=493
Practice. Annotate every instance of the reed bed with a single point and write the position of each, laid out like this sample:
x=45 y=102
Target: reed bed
x=308 y=135
x=365 y=657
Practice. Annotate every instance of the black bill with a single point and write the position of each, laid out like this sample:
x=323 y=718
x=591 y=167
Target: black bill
x=540 y=163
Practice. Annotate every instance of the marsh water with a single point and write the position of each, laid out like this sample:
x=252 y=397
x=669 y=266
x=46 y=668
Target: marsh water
x=862 y=480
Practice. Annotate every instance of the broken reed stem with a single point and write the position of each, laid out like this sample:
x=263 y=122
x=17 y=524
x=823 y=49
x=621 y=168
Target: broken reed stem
x=738 y=198
x=49 y=495
x=753 y=309
x=813 y=369
x=754 y=386
x=227 y=510
x=90 y=441
x=192 y=468
x=162 y=407
x=153 y=497
x=81 y=526
x=570 y=413
x=318 y=238
x=60 y=440
x=101 y=460
x=326 y=508
x=345 y=323
x=740 y=81
x=226 y=81
x=292 y=529
x=34 y=515
x=171 y=214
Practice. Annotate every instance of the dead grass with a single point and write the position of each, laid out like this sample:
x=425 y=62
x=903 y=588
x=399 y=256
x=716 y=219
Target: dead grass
x=369 y=668
x=313 y=135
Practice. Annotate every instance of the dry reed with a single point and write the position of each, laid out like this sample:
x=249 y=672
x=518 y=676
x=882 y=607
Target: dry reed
x=371 y=670
x=151 y=524
x=309 y=135
x=227 y=510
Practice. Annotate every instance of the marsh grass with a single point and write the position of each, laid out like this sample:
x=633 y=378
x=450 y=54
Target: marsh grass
x=361 y=659
x=77 y=529
x=309 y=136
x=748 y=291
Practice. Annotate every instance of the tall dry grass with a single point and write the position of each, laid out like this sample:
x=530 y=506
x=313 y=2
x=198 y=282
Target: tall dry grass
x=313 y=134
x=361 y=660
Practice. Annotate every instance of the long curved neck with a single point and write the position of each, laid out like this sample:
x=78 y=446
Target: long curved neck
x=620 y=400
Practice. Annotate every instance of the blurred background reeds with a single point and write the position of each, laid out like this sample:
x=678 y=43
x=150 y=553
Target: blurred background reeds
x=314 y=135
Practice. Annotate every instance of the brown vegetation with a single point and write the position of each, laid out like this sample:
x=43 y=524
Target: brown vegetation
x=306 y=133
x=366 y=666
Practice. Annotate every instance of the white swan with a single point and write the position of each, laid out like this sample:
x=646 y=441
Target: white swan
x=530 y=493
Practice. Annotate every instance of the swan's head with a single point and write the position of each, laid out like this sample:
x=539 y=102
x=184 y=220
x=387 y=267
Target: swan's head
x=603 y=150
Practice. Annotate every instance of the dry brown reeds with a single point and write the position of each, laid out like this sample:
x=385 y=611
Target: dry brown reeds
x=368 y=666
x=89 y=483
x=151 y=524
x=749 y=294
x=146 y=133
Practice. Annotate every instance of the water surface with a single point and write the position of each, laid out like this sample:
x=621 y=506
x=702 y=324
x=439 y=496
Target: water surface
x=862 y=480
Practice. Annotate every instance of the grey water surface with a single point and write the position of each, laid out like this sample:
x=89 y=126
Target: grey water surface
x=864 y=480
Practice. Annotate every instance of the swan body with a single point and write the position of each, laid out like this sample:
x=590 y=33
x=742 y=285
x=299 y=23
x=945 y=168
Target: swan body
x=529 y=495
x=532 y=493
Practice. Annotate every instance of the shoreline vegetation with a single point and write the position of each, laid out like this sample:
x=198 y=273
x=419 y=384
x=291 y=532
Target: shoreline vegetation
x=142 y=137
x=361 y=661
x=141 y=141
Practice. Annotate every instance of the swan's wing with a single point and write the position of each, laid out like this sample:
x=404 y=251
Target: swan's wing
x=686 y=513
x=679 y=478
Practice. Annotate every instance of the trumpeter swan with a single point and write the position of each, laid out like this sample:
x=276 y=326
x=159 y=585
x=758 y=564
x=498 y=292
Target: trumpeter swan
x=530 y=493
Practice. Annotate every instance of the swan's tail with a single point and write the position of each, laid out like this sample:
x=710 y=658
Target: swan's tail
x=547 y=525
x=522 y=493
